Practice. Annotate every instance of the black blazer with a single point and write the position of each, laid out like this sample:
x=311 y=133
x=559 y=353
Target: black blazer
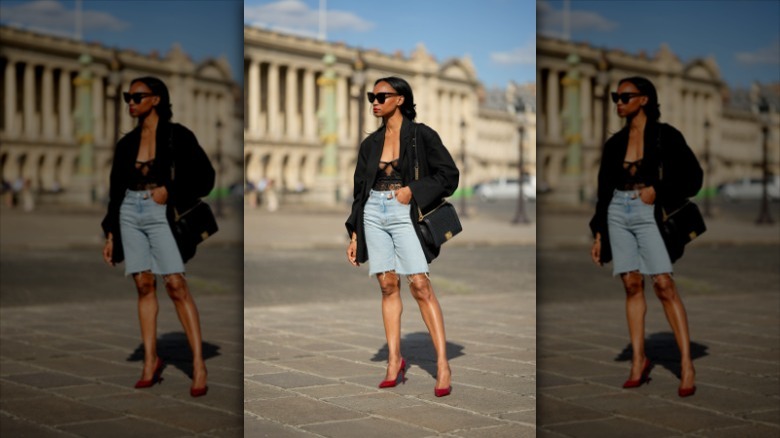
x=682 y=176
x=438 y=177
x=193 y=179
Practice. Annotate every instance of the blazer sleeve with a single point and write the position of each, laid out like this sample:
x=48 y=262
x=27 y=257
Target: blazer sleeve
x=682 y=174
x=359 y=180
x=443 y=175
x=115 y=190
x=598 y=223
x=194 y=175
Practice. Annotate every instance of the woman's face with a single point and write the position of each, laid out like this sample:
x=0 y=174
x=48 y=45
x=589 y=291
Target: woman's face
x=147 y=103
x=393 y=100
x=634 y=104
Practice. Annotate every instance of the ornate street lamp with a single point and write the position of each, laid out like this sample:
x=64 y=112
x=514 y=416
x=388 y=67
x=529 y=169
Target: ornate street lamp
x=219 y=168
x=763 y=110
x=707 y=176
x=520 y=216
x=463 y=211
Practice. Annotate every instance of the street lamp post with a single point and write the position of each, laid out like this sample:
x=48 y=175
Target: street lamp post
x=602 y=78
x=520 y=216
x=764 y=217
x=707 y=176
x=219 y=168
x=359 y=79
x=115 y=79
x=463 y=211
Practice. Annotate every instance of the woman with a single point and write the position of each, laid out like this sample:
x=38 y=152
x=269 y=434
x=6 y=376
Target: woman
x=144 y=191
x=383 y=224
x=644 y=166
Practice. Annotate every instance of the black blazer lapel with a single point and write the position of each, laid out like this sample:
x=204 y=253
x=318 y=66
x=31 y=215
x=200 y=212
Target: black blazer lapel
x=374 y=154
x=407 y=134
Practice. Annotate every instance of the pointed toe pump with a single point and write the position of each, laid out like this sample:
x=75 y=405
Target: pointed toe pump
x=442 y=392
x=394 y=382
x=645 y=377
x=156 y=377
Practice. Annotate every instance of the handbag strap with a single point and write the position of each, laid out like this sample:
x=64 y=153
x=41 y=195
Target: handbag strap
x=170 y=148
x=414 y=151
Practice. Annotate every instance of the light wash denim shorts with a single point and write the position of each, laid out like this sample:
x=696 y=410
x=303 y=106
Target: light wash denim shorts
x=146 y=236
x=634 y=237
x=390 y=237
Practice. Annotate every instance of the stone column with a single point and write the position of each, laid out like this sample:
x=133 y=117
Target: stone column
x=342 y=95
x=553 y=110
x=98 y=109
x=586 y=109
x=309 y=112
x=253 y=95
x=30 y=126
x=10 y=98
x=291 y=104
x=66 y=116
x=273 y=101
x=47 y=103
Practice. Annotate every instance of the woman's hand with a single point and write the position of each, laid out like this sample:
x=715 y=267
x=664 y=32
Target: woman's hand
x=404 y=195
x=108 y=250
x=160 y=195
x=647 y=195
x=595 y=250
x=352 y=253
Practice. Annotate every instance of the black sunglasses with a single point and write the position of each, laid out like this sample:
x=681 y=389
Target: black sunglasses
x=380 y=97
x=136 y=97
x=624 y=97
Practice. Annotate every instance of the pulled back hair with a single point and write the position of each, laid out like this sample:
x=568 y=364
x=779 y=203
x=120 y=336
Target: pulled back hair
x=164 y=111
x=404 y=89
x=646 y=88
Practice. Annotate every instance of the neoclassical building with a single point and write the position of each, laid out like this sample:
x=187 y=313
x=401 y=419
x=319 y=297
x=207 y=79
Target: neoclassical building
x=693 y=97
x=39 y=92
x=283 y=106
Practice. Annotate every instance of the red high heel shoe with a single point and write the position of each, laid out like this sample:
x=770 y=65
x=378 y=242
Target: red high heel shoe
x=197 y=392
x=442 y=392
x=686 y=392
x=642 y=379
x=155 y=377
x=394 y=382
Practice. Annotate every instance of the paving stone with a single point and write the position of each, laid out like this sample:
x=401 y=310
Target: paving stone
x=86 y=368
x=127 y=403
x=770 y=416
x=123 y=428
x=190 y=417
x=55 y=411
x=576 y=391
x=298 y=411
x=13 y=427
x=617 y=427
x=335 y=390
x=48 y=379
x=373 y=402
x=681 y=418
x=746 y=431
x=331 y=368
x=727 y=401
x=91 y=390
x=503 y=431
x=517 y=385
x=254 y=368
x=485 y=401
x=256 y=390
x=527 y=417
x=365 y=427
x=13 y=391
x=261 y=428
x=292 y=379
x=495 y=365
x=551 y=411
x=436 y=417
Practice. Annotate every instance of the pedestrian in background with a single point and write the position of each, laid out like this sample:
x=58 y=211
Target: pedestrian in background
x=383 y=223
x=157 y=166
x=643 y=166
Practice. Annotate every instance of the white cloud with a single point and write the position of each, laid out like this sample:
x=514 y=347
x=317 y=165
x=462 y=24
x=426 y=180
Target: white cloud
x=53 y=17
x=766 y=55
x=549 y=21
x=518 y=55
x=295 y=16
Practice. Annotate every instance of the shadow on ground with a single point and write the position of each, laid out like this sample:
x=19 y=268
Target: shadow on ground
x=174 y=350
x=417 y=349
x=661 y=349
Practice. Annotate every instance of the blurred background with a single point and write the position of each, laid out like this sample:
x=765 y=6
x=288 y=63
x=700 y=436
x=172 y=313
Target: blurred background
x=307 y=73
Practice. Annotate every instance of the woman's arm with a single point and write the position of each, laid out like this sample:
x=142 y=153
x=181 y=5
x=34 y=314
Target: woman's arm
x=682 y=174
x=443 y=176
x=194 y=173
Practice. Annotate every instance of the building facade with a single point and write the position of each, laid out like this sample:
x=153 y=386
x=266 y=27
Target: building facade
x=724 y=132
x=283 y=106
x=39 y=91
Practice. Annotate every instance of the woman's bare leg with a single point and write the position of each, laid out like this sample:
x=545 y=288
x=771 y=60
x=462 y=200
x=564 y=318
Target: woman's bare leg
x=392 y=307
x=666 y=291
x=636 y=308
x=422 y=291
x=187 y=311
x=147 y=315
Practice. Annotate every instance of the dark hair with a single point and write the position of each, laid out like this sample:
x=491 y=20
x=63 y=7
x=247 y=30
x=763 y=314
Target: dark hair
x=652 y=108
x=164 y=111
x=404 y=89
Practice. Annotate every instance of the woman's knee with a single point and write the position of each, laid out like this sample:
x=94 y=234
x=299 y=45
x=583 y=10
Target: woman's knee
x=176 y=286
x=633 y=283
x=664 y=287
x=420 y=286
x=145 y=283
x=389 y=283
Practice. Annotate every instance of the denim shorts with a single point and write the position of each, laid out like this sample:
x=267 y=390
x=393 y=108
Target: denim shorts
x=391 y=240
x=634 y=237
x=146 y=236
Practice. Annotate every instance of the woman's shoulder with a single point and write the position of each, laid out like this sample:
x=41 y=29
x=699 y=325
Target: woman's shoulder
x=667 y=130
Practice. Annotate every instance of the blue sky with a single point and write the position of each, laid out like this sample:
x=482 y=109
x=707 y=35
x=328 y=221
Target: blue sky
x=743 y=36
x=203 y=28
x=498 y=35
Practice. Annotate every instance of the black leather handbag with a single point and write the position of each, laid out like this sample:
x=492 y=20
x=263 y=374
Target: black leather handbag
x=439 y=224
x=193 y=225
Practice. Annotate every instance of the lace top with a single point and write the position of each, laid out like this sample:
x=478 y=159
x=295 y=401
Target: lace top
x=389 y=176
x=145 y=176
x=631 y=177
